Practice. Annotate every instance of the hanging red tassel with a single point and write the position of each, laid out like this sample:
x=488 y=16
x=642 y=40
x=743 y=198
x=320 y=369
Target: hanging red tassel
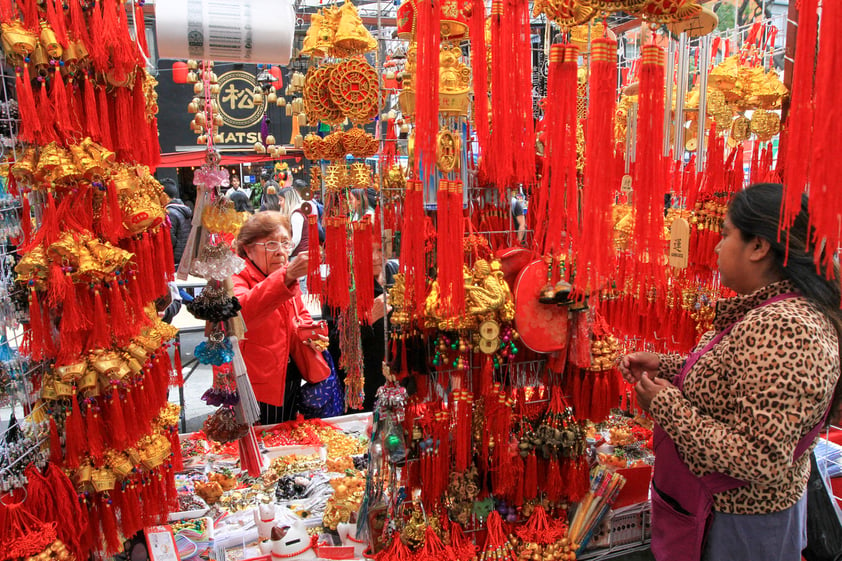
x=824 y=186
x=108 y=519
x=336 y=256
x=74 y=435
x=428 y=39
x=105 y=118
x=314 y=273
x=479 y=67
x=46 y=115
x=78 y=25
x=56 y=291
x=599 y=185
x=91 y=116
x=113 y=411
x=413 y=266
x=55 y=18
x=798 y=138
x=530 y=477
x=30 y=122
x=29 y=9
x=41 y=338
x=100 y=336
x=111 y=223
x=363 y=269
x=126 y=125
x=93 y=430
x=71 y=517
x=140 y=29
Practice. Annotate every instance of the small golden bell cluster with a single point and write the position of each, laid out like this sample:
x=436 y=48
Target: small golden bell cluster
x=207 y=118
x=337 y=32
x=562 y=550
x=604 y=353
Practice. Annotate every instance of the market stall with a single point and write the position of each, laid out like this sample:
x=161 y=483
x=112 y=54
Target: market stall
x=485 y=353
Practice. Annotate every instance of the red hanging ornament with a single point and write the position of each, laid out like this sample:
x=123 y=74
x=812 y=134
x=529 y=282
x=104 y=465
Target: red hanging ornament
x=428 y=39
x=55 y=19
x=74 y=435
x=363 y=269
x=93 y=430
x=105 y=117
x=336 y=257
x=46 y=115
x=30 y=122
x=600 y=164
x=314 y=268
x=140 y=29
x=479 y=66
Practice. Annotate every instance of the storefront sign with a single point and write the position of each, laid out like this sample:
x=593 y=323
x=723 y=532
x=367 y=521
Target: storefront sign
x=258 y=31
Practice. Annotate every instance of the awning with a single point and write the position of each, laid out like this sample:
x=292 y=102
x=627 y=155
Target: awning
x=197 y=158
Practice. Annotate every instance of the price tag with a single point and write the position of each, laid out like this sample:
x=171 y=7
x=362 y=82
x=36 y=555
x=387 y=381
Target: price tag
x=626 y=185
x=679 y=243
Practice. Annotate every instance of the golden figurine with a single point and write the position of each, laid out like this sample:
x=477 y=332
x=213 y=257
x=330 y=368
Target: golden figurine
x=454 y=82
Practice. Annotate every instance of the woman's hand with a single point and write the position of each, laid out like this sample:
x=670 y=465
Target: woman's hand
x=647 y=388
x=379 y=309
x=318 y=344
x=634 y=365
x=296 y=269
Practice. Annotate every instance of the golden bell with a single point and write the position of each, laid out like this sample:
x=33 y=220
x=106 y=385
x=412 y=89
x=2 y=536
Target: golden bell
x=49 y=40
x=83 y=475
x=103 y=155
x=103 y=480
x=71 y=372
x=351 y=35
x=121 y=465
x=24 y=168
x=17 y=39
x=88 y=381
x=259 y=148
x=270 y=139
x=88 y=165
x=198 y=88
x=40 y=60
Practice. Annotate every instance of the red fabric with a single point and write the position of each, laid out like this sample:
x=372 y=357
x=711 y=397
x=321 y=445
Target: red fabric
x=268 y=305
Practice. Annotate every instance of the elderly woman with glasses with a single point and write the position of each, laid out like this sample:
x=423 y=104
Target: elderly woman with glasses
x=267 y=289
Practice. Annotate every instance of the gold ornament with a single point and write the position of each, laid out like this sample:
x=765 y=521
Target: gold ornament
x=454 y=82
x=448 y=151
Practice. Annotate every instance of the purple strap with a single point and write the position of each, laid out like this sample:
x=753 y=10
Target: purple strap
x=806 y=440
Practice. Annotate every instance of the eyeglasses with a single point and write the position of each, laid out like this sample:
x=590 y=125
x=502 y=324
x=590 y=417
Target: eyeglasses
x=276 y=246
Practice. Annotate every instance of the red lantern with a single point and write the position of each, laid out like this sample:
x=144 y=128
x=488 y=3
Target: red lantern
x=179 y=72
x=275 y=71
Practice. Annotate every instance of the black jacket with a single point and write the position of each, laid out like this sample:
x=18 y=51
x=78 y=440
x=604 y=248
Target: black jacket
x=181 y=218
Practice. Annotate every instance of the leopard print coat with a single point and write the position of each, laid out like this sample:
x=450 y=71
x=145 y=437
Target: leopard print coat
x=748 y=400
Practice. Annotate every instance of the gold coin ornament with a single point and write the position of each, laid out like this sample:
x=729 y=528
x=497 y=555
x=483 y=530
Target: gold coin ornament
x=765 y=124
x=489 y=346
x=489 y=330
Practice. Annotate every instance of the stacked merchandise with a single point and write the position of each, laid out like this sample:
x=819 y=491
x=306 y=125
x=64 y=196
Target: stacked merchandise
x=93 y=263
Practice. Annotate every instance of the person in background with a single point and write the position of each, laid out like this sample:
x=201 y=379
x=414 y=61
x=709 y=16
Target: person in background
x=267 y=289
x=359 y=205
x=237 y=195
x=518 y=206
x=271 y=200
x=372 y=336
x=181 y=219
x=748 y=403
x=318 y=207
x=291 y=207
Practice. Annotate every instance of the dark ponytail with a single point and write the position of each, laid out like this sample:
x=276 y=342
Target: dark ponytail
x=756 y=212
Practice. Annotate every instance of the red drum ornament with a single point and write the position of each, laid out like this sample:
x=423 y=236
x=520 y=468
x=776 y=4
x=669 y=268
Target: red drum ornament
x=542 y=327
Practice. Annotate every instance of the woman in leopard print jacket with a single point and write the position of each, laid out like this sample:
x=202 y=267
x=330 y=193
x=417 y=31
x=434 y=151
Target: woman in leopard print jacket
x=747 y=402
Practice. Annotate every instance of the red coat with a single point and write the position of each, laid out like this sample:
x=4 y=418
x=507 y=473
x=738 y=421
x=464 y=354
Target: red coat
x=268 y=308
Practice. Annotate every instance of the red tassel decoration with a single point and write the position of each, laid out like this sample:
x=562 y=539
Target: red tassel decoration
x=338 y=296
x=462 y=401
x=30 y=121
x=163 y=252
x=108 y=517
x=56 y=291
x=599 y=186
x=93 y=430
x=29 y=9
x=91 y=116
x=824 y=186
x=314 y=273
x=46 y=115
x=112 y=221
x=8 y=11
x=113 y=411
x=798 y=138
x=363 y=269
x=41 y=342
x=78 y=25
x=55 y=18
x=55 y=444
x=449 y=246
x=530 y=476
x=479 y=67
x=71 y=517
x=100 y=334
x=413 y=253
x=74 y=435
x=126 y=125
x=140 y=29
x=561 y=124
x=169 y=258
x=105 y=118
x=428 y=39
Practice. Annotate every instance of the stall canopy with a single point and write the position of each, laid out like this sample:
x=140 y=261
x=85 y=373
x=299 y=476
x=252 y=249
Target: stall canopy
x=197 y=158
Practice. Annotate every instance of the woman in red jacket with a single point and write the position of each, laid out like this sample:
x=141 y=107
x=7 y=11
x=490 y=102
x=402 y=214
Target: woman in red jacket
x=267 y=289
